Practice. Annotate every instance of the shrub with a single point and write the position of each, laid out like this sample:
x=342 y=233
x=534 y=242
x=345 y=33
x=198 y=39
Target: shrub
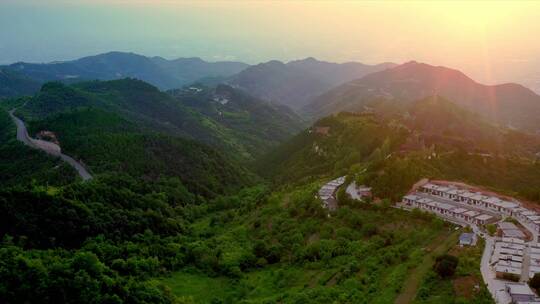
x=510 y=277
x=491 y=229
x=445 y=265
x=535 y=281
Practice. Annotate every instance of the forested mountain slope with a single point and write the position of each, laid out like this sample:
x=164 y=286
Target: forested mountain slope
x=510 y=105
x=259 y=125
x=243 y=128
x=114 y=127
x=14 y=84
x=154 y=225
x=168 y=219
x=391 y=146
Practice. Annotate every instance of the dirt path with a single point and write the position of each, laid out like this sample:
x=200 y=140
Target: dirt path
x=48 y=147
x=440 y=245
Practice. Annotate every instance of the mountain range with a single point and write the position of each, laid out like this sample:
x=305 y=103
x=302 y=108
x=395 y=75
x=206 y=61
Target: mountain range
x=296 y=82
x=163 y=73
x=311 y=87
x=211 y=185
x=510 y=104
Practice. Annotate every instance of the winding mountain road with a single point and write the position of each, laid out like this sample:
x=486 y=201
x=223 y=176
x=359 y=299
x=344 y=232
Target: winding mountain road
x=48 y=147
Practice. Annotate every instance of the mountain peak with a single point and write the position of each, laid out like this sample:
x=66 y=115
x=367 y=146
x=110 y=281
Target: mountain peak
x=507 y=104
x=424 y=72
x=274 y=62
x=411 y=62
x=115 y=54
x=305 y=60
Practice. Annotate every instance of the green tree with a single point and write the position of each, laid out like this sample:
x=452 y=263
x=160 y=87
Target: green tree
x=491 y=229
x=445 y=265
x=534 y=282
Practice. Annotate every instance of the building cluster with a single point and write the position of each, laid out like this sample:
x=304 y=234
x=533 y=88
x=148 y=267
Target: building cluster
x=327 y=193
x=475 y=199
x=529 y=217
x=510 y=230
x=358 y=192
x=221 y=100
x=534 y=262
x=479 y=207
x=437 y=206
x=507 y=257
x=521 y=293
x=513 y=257
x=194 y=89
x=321 y=130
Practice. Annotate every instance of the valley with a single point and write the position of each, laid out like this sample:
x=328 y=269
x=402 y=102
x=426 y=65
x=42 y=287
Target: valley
x=269 y=152
x=211 y=193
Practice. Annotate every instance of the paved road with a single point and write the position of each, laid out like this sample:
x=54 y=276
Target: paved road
x=47 y=147
x=495 y=287
x=526 y=264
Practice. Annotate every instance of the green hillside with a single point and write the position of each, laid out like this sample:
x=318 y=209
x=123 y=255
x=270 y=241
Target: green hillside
x=116 y=239
x=258 y=125
x=246 y=130
x=14 y=84
x=106 y=142
x=390 y=150
x=170 y=220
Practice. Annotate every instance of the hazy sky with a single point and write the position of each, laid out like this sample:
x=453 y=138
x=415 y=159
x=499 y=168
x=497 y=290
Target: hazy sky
x=490 y=41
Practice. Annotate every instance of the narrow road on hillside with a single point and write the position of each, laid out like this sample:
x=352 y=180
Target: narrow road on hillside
x=495 y=287
x=47 y=147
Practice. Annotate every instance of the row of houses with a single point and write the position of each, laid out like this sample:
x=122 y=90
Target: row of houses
x=471 y=198
x=507 y=257
x=521 y=293
x=487 y=202
x=448 y=210
x=510 y=230
x=531 y=218
x=327 y=193
x=534 y=263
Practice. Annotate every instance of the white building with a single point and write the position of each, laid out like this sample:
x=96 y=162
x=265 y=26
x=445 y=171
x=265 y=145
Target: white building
x=521 y=293
x=483 y=219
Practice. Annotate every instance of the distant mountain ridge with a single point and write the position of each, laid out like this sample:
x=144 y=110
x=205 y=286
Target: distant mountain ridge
x=296 y=82
x=511 y=105
x=160 y=72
